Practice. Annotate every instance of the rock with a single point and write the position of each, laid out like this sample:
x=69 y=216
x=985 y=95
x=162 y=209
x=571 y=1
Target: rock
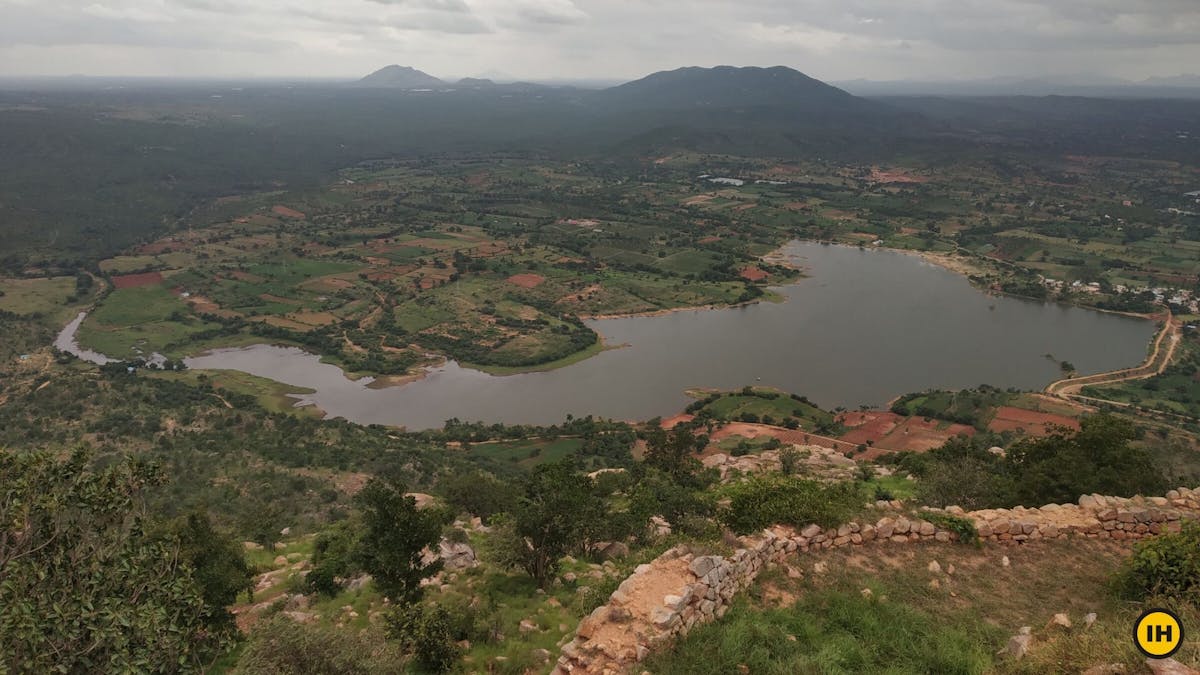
x=280 y=561
x=793 y=573
x=664 y=619
x=675 y=603
x=1089 y=619
x=456 y=555
x=619 y=615
x=357 y=583
x=570 y=577
x=617 y=549
x=1004 y=561
x=1017 y=647
x=301 y=617
x=296 y=602
x=527 y=626
x=820 y=567
x=704 y=564
x=1061 y=620
x=810 y=531
x=950 y=569
x=1107 y=669
x=285 y=531
x=251 y=546
x=934 y=584
x=866 y=592
x=1169 y=667
x=927 y=529
x=541 y=655
x=935 y=567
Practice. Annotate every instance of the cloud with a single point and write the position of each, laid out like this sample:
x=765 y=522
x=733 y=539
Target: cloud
x=832 y=39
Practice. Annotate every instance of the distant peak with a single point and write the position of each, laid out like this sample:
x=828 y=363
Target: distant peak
x=401 y=77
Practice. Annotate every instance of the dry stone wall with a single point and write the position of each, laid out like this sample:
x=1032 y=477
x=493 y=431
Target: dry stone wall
x=680 y=590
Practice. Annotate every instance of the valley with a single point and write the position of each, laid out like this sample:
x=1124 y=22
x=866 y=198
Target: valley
x=420 y=375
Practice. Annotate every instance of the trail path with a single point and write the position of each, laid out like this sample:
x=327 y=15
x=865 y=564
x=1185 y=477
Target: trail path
x=1158 y=360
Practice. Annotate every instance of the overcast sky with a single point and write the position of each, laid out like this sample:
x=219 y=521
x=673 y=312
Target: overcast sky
x=828 y=39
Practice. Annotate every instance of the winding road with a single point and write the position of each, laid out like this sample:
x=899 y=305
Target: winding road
x=1158 y=360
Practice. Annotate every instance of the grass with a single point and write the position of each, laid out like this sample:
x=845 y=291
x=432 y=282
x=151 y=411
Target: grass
x=907 y=626
x=31 y=296
x=528 y=452
x=139 y=318
x=578 y=356
x=272 y=395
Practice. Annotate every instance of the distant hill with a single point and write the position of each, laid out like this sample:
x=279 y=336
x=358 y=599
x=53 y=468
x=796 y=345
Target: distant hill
x=401 y=77
x=475 y=82
x=728 y=87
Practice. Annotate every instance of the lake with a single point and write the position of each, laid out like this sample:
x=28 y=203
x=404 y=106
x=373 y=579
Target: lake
x=863 y=328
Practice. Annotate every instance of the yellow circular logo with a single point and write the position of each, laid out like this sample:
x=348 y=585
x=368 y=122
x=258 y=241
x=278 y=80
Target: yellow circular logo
x=1158 y=633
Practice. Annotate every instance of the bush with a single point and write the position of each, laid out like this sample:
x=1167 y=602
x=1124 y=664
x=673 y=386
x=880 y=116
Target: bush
x=764 y=501
x=963 y=528
x=1168 y=565
x=427 y=633
x=283 y=647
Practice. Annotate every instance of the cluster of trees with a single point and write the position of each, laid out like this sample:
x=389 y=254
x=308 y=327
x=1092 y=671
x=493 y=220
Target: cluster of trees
x=1099 y=458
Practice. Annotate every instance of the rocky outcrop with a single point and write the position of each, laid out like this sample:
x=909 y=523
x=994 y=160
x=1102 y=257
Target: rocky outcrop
x=683 y=588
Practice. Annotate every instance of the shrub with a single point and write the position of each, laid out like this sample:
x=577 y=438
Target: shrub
x=284 y=647
x=764 y=501
x=963 y=528
x=427 y=633
x=1168 y=565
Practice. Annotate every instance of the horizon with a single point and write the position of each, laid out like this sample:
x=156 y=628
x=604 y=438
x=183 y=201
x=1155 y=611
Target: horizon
x=590 y=40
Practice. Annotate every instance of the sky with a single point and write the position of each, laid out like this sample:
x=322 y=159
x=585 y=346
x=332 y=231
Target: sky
x=600 y=39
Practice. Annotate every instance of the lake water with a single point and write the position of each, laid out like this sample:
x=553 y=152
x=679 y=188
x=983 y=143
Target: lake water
x=866 y=326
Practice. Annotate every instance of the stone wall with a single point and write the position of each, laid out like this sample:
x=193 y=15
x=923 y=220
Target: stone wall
x=680 y=589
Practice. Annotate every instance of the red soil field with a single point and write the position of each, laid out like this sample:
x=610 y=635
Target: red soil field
x=753 y=274
x=671 y=422
x=526 y=280
x=281 y=210
x=889 y=432
x=1031 y=422
x=136 y=280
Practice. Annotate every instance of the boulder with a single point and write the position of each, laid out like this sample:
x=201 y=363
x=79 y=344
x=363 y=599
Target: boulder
x=704 y=564
x=935 y=567
x=456 y=555
x=1060 y=620
x=1169 y=667
x=617 y=549
x=1018 y=645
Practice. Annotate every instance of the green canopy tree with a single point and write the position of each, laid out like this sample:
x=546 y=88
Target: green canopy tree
x=83 y=587
x=395 y=533
x=554 y=515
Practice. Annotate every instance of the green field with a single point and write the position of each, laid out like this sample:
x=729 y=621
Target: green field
x=48 y=297
x=144 y=318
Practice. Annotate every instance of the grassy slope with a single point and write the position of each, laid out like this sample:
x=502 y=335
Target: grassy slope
x=905 y=626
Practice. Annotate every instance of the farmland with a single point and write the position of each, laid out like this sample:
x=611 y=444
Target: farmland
x=494 y=261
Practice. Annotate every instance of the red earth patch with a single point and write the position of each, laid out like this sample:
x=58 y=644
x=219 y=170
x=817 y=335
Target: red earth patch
x=527 y=280
x=753 y=274
x=136 y=280
x=281 y=210
x=1031 y=422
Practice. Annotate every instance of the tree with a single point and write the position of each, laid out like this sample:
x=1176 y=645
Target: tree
x=1096 y=459
x=395 y=535
x=553 y=516
x=218 y=565
x=672 y=453
x=478 y=493
x=83 y=586
x=334 y=557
